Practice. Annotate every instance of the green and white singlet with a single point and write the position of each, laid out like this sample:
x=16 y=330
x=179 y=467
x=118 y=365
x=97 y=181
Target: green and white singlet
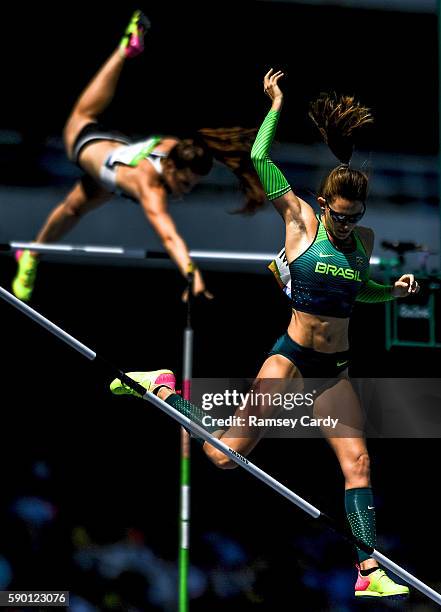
x=131 y=155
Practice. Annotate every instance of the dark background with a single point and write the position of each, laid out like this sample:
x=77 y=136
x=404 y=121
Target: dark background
x=101 y=471
x=204 y=66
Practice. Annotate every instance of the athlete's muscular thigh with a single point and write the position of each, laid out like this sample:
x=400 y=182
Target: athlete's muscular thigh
x=340 y=403
x=85 y=196
x=275 y=376
x=73 y=127
x=278 y=366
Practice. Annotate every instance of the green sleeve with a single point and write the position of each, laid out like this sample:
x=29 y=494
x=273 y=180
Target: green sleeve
x=272 y=179
x=374 y=292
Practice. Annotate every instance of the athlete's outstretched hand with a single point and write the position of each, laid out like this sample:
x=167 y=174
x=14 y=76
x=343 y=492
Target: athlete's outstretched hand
x=198 y=289
x=272 y=89
x=405 y=285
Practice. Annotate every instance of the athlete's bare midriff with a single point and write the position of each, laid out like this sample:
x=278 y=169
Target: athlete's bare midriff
x=323 y=334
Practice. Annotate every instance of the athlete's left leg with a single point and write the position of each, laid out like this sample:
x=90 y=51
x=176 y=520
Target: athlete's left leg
x=349 y=445
x=99 y=93
x=85 y=196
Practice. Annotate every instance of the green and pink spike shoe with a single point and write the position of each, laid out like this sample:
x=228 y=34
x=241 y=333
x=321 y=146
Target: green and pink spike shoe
x=378 y=584
x=132 y=43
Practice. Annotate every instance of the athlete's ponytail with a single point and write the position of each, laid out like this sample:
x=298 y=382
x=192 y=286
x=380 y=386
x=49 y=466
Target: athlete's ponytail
x=338 y=119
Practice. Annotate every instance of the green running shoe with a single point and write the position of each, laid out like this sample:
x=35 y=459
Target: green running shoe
x=23 y=283
x=149 y=380
x=132 y=43
x=378 y=584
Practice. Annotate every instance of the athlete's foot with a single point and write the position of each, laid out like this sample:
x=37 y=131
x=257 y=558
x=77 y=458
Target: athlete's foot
x=132 y=43
x=149 y=380
x=378 y=584
x=23 y=283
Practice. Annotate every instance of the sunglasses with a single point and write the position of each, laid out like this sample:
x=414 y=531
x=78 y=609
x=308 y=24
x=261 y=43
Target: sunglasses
x=347 y=219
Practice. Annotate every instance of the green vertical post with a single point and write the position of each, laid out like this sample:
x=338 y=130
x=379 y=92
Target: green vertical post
x=184 y=535
x=184 y=506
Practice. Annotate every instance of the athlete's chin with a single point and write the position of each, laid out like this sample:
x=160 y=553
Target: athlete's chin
x=342 y=235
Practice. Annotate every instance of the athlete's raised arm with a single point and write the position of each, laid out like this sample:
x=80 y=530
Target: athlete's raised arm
x=294 y=211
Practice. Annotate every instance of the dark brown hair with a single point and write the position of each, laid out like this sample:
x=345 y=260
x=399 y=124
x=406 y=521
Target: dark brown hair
x=344 y=182
x=188 y=153
x=338 y=118
x=232 y=147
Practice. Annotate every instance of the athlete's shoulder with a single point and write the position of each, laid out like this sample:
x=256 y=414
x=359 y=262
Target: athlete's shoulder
x=367 y=237
x=143 y=178
x=365 y=232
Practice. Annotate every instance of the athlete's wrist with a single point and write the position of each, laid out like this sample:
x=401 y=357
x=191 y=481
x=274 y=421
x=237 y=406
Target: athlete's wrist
x=395 y=291
x=191 y=268
x=277 y=104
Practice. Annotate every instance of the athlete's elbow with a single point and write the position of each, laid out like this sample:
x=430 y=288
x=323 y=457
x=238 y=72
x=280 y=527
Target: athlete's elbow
x=168 y=242
x=257 y=156
x=257 y=160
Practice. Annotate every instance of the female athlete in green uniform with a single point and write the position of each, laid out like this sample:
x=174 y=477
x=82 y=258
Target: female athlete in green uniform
x=145 y=171
x=328 y=258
